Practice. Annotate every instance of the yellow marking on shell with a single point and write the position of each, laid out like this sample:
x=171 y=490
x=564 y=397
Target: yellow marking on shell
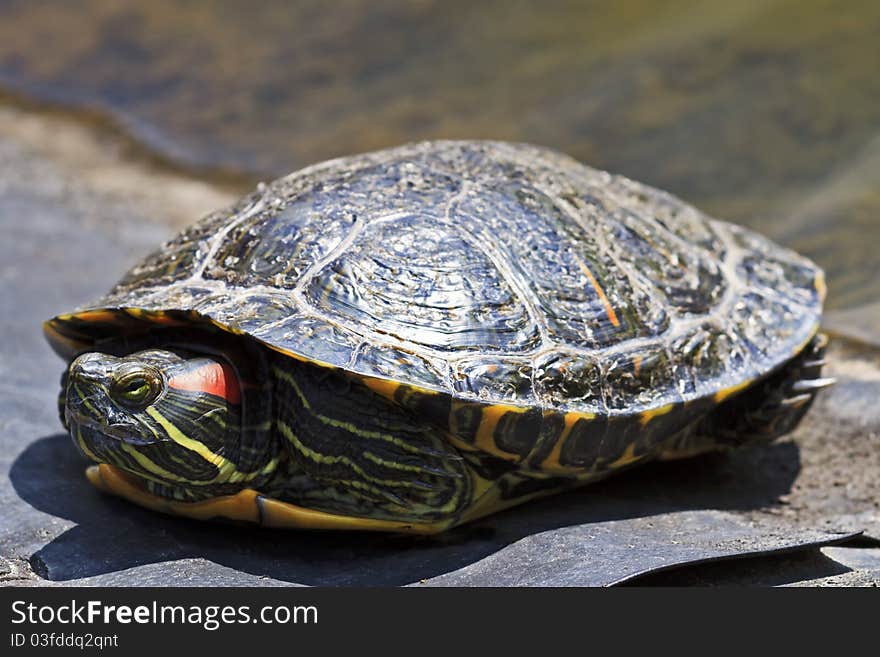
x=227 y=471
x=484 y=440
x=63 y=345
x=821 y=287
x=137 y=313
x=813 y=335
x=388 y=388
x=67 y=346
x=154 y=316
x=609 y=310
x=552 y=463
x=99 y=315
x=247 y=505
x=629 y=456
x=721 y=395
x=382 y=387
x=162 y=317
x=647 y=416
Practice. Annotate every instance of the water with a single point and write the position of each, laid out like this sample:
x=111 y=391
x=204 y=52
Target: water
x=765 y=113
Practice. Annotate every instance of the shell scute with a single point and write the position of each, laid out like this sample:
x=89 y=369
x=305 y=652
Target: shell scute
x=409 y=277
x=314 y=337
x=571 y=380
x=635 y=380
x=278 y=248
x=398 y=364
x=494 y=378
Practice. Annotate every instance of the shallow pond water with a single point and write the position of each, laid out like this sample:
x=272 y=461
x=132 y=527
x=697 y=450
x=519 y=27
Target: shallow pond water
x=766 y=113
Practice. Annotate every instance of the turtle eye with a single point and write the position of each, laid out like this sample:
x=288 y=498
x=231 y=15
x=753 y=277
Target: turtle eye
x=137 y=389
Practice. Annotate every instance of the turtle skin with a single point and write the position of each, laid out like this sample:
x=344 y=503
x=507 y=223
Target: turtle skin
x=555 y=321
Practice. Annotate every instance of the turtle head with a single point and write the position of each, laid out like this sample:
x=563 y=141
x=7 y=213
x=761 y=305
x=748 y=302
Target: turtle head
x=172 y=421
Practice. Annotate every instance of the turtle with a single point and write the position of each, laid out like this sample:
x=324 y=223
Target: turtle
x=414 y=338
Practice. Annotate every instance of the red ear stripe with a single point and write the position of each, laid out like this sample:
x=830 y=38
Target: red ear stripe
x=213 y=378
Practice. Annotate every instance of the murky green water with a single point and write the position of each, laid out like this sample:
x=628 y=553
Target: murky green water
x=767 y=113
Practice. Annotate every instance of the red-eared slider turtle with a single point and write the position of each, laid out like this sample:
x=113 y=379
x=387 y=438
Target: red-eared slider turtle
x=413 y=338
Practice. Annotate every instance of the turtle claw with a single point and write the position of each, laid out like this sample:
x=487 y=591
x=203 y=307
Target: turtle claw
x=799 y=400
x=811 y=385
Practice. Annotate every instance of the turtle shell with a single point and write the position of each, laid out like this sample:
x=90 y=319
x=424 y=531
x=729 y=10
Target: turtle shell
x=493 y=272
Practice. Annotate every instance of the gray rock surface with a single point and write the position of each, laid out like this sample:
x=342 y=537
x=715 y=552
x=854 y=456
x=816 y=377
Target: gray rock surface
x=66 y=240
x=858 y=324
x=618 y=551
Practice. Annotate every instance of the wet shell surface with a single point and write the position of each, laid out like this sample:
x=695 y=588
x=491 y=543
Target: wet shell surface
x=497 y=272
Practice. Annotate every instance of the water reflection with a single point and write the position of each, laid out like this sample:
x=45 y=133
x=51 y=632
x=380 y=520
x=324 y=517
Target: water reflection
x=767 y=113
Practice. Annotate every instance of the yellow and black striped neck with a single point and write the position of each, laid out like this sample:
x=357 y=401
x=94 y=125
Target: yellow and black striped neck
x=353 y=452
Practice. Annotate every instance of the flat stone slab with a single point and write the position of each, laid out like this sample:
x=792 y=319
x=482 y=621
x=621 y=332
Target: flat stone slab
x=619 y=551
x=855 y=564
x=64 y=244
